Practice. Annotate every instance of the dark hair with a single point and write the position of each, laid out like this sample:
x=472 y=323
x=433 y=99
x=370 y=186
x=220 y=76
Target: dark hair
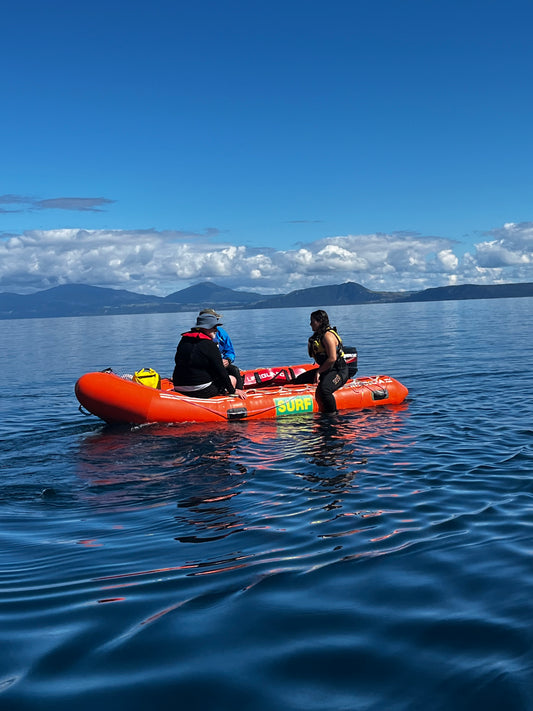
x=323 y=320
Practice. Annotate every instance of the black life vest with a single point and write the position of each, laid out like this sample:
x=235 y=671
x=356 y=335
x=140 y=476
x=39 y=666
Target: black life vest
x=317 y=351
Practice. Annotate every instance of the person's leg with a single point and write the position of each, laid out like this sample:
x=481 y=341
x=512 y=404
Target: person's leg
x=329 y=382
x=307 y=377
x=236 y=374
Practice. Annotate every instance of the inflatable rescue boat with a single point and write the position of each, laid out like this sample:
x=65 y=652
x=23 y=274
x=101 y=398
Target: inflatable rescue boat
x=269 y=394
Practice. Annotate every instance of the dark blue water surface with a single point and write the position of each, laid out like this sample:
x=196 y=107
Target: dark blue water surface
x=380 y=561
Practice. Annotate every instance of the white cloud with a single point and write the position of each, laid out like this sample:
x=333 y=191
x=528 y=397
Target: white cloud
x=448 y=260
x=512 y=245
x=163 y=262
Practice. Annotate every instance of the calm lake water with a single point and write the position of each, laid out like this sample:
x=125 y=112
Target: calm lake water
x=383 y=561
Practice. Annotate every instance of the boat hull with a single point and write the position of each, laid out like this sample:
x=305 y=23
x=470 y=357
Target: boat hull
x=118 y=400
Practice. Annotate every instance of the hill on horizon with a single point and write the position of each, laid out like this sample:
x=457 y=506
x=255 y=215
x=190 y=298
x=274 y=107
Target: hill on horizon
x=340 y=294
x=207 y=291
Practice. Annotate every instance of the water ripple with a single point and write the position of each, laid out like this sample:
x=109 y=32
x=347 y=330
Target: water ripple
x=379 y=561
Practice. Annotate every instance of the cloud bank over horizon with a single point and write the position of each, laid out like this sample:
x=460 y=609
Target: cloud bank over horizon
x=157 y=262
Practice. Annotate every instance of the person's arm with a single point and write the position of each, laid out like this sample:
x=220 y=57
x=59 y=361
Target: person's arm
x=330 y=346
x=226 y=346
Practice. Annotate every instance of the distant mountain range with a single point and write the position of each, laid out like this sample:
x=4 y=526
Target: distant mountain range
x=83 y=300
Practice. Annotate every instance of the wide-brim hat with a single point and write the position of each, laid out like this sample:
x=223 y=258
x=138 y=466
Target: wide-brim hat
x=207 y=321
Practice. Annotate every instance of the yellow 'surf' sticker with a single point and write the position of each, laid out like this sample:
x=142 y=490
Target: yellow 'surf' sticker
x=293 y=405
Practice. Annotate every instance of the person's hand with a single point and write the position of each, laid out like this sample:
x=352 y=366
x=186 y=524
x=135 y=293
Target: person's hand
x=316 y=378
x=226 y=362
x=240 y=394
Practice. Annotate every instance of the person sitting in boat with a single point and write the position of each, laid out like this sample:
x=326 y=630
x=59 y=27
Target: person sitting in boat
x=227 y=351
x=199 y=370
x=325 y=346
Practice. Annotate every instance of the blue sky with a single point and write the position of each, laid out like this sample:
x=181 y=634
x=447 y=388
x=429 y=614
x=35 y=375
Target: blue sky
x=266 y=146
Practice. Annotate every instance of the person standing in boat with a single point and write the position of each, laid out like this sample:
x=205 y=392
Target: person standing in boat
x=325 y=346
x=227 y=351
x=199 y=370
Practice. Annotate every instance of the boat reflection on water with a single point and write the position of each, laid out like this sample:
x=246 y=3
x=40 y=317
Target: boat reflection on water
x=194 y=463
x=244 y=489
x=138 y=468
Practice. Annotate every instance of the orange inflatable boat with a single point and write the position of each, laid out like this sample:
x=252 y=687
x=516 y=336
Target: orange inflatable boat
x=116 y=399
